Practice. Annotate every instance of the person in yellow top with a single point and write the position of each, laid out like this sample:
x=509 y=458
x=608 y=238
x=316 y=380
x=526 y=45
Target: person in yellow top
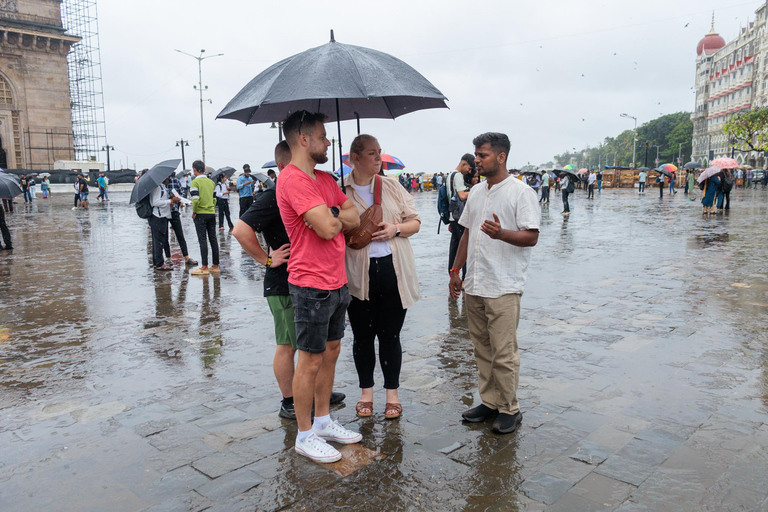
x=204 y=215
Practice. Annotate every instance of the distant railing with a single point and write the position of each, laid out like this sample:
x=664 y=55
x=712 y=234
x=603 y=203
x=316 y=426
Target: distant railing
x=29 y=18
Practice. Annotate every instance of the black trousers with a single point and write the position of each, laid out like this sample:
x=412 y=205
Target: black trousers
x=382 y=317
x=8 y=205
x=642 y=186
x=223 y=205
x=77 y=199
x=591 y=191
x=205 y=225
x=159 y=239
x=176 y=225
x=245 y=203
x=4 y=230
x=544 y=195
x=727 y=199
x=457 y=231
x=566 y=206
x=661 y=189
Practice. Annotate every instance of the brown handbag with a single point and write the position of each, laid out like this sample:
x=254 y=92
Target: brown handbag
x=360 y=237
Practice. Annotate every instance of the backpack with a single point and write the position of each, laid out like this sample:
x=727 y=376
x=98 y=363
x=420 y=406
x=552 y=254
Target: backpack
x=143 y=208
x=571 y=187
x=444 y=203
x=456 y=207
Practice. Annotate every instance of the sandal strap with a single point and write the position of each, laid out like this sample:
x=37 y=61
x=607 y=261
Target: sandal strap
x=368 y=406
x=393 y=408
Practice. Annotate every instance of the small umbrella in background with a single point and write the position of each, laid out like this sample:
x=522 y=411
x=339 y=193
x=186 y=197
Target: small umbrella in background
x=343 y=170
x=183 y=172
x=569 y=167
x=582 y=171
x=226 y=171
x=708 y=173
x=692 y=165
x=670 y=168
x=388 y=162
x=269 y=165
x=725 y=163
x=662 y=171
x=9 y=188
x=565 y=170
x=152 y=179
x=264 y=179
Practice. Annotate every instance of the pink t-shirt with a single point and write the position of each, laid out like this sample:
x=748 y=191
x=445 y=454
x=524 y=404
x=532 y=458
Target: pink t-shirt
x=314 y=262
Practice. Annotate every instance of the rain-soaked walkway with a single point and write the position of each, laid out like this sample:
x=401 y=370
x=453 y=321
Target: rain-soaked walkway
x=644 y=382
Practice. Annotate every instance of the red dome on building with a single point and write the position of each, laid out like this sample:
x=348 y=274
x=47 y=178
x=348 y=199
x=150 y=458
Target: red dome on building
x=710 y=44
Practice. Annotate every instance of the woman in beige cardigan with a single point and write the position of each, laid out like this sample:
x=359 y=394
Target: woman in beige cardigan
x=382 y=276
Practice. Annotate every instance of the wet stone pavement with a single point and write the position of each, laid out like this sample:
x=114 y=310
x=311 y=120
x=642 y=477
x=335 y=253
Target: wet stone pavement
x=643 y=384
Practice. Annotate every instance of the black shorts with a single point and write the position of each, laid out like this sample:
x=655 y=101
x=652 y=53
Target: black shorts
x=319 y=316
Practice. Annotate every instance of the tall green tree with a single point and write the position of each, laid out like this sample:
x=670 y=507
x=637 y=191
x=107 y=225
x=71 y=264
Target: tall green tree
x=749 y=130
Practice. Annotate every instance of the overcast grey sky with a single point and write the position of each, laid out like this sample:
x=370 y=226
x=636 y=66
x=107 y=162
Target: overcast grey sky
x=553 y=75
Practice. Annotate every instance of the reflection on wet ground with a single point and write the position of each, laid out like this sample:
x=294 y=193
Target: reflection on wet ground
x=644 y=382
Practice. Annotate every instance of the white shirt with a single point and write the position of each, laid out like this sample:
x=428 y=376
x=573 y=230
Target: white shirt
x=642 y=176
x=439 y=180
x=222 y=190
x=458 y=184
x=161 y=203
x=592 y=178
x=375 y=249
x=496 y=268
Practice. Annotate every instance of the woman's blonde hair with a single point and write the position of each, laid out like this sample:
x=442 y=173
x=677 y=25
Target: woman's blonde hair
x=358 y=145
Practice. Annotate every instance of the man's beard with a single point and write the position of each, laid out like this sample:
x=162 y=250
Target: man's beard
x=318 y=156
x=492 y=172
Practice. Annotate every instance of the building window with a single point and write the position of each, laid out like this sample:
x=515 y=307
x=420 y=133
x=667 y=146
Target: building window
x=6 y=94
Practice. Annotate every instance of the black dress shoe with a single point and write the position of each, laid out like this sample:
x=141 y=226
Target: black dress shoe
x=507 y=423
x=337 y=397
x=478 y=414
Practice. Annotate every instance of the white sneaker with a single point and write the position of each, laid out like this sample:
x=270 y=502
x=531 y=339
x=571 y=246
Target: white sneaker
x=316 y=449
x=336 y=433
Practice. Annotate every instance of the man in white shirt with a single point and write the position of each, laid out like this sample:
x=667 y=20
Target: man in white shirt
x=642 y=177
x=456 y=186
x=161 y=202
x=591 y=185
x=501 y=221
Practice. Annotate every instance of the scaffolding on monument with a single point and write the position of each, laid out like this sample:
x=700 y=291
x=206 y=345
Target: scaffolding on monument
x=84 y=62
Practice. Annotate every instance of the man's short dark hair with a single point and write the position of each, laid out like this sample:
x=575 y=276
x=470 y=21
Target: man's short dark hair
x=282 y=153
x=198 y=165
x=470 y=159
x=499 y=142
x=301 y=120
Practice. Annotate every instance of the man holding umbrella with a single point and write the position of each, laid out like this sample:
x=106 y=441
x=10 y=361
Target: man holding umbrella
x=161 y=201
x=315 y=211
x=8 y=190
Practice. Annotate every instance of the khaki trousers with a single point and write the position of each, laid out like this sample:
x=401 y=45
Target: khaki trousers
x=493 y=329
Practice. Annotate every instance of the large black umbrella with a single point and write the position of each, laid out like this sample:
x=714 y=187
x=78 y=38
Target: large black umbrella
x=692 y=165
x=664 y=172
x=339 y=80
x=227 y=171
x=9 y=187
x=152 y=179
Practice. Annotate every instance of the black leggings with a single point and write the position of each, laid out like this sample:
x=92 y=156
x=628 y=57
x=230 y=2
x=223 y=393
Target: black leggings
x=177 y=229
x=205 y=225
x=223 y=205
x=381 y=316
x=566 y=206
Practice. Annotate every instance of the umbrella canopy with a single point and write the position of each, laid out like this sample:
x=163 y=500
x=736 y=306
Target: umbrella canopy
x=341 y=81
x=725 y=163
x=183 y=172
x=264 y=179
x=665 y=172
x=569 y=167
x=582 y=171
x=226 y=171
x=668 y=167
x=9 y=188
x=387 y=161
x=343 y=170
x=269 y=165
x=565 y=170
x=708 y=173
x=692 y=165
x=152 y=179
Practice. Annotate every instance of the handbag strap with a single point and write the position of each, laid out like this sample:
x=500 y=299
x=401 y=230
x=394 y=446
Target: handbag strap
x=377 y=190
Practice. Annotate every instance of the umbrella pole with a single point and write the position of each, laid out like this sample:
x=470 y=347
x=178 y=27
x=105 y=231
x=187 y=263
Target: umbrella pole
x=357 y=116
x=341 y=155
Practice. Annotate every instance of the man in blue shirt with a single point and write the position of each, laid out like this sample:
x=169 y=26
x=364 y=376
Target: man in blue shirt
x=245 y=189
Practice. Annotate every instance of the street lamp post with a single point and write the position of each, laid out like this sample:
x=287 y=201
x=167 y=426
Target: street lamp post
x=647 y=145
x=680 y=153
x=634 y=141
x=108 y=148
x=279 y=127
x=657 y=146
x=180 y=144
x=200 y=89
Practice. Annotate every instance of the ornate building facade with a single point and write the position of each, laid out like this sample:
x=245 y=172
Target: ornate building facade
x=35 y=116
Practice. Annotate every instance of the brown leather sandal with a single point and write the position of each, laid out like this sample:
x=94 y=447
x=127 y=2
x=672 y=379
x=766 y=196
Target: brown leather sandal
x=364 y=409
x=393 y=411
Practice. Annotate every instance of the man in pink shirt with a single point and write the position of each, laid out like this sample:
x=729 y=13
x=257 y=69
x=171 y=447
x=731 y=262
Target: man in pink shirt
x=315 y=212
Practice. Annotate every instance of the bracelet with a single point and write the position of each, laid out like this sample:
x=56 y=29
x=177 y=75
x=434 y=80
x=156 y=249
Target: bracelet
x=456 y=270
x=269 y=261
